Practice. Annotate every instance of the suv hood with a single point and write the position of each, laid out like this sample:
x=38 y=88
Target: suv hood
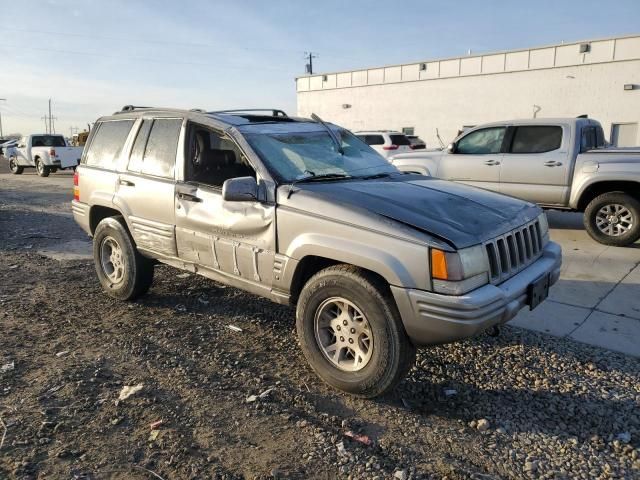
x=458 y=214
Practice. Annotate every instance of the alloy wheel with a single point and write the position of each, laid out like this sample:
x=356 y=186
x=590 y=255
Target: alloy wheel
x=343 y=334
x=112 y=259
x=614 y=220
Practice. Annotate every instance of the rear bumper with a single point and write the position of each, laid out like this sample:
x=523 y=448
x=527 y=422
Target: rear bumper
x=431 y=318
x=81 y=215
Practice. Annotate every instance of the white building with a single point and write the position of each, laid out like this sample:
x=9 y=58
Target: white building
x=600 y=78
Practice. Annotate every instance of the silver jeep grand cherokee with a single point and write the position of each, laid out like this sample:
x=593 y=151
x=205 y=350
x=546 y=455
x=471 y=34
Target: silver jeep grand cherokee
x=302 y=212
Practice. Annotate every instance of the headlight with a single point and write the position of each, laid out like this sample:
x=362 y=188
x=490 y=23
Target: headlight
x=456 y=273
x=544 y=227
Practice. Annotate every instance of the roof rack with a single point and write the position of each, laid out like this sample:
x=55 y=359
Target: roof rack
x=131 y=108
x=275 y=112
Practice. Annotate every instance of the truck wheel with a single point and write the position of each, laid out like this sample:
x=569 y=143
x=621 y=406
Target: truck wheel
x=15 y=168
x=41 y=168
x=351 y=333
x=613 y=219
x=123 y=272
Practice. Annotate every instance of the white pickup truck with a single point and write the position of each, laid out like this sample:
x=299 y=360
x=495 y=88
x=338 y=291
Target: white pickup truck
x=47 y=153
x=560 y=163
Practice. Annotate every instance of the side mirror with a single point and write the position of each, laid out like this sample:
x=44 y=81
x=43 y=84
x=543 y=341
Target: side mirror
x=241 y=189
x=451 y=148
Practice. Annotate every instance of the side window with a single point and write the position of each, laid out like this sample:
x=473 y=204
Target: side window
x=480 y=142
x=154 y=149
x=374 y=140
x=160 y=152
x=536 y=139
x=213 y=158
x=107 y=143
x=137 y=152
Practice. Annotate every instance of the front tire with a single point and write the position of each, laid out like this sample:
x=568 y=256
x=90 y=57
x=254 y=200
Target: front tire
x=123 y=272
x=351 y=333
x=15 y=168
x=613 y=219
x=42 y=169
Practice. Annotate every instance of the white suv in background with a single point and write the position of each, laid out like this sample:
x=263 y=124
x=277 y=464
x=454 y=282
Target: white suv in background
x=386 y=142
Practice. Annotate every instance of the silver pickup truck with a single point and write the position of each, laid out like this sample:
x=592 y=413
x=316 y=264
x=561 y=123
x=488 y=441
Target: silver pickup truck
x=377 y=262
x=558 y=163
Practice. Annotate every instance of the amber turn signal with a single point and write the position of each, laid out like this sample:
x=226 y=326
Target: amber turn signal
x=439 y=265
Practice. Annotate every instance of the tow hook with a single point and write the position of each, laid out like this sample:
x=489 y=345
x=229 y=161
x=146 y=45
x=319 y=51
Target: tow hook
x=493 y=331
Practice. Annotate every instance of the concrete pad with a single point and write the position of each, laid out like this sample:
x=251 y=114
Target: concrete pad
x=625 y=298
x=610 y=331
x=589 y=270
x=550 y=317
x=72 y=250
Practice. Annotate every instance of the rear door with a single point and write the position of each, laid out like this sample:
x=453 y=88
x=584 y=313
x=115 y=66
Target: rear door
x=476 y=159
x=146 y=190
x=535 y=166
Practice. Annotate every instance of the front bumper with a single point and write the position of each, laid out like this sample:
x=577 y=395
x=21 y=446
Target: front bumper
x=431 y=318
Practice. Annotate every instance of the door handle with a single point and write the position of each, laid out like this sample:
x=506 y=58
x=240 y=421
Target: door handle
x=552 y=163
x=188 y=197
x=126 y=183
x=491 y=162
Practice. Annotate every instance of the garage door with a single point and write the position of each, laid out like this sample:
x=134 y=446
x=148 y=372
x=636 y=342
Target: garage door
x=624 y=134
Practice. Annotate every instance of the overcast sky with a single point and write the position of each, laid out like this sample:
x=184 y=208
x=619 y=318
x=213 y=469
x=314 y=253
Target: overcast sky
x=94 y=56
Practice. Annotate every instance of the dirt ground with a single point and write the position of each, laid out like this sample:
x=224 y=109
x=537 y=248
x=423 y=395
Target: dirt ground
x=553 y=408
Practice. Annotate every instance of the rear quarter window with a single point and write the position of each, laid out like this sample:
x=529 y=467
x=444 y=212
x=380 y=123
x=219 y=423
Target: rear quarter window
x=107 y=143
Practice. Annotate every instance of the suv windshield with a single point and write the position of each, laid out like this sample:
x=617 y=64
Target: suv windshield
x=295 y=155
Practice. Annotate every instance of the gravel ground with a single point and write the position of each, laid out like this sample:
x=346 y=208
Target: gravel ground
x=218 y=403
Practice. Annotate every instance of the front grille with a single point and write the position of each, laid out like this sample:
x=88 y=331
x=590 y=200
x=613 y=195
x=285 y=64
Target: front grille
x=513 y=251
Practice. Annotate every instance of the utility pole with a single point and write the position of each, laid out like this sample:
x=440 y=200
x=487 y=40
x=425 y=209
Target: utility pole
x=49 y=124
x=309 y=66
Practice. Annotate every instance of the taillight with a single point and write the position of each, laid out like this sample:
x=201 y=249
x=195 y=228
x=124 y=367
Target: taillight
x=390 y=147
x=76 y=188
x=52 y=152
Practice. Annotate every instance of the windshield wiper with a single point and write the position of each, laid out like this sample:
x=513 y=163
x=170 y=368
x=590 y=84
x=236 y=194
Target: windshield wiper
x=332 y=134
x=312 y=177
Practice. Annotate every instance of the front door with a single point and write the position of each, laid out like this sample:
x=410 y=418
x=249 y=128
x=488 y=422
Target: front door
x=535 y=166
x=234 y=239
x=476 y=159
x=21 y=152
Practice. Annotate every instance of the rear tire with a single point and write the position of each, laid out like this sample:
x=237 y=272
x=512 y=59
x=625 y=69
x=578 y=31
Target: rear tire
x=15 y=168
x=613 y=218
x=42 y=169
x=122 y=271
x=351 y=333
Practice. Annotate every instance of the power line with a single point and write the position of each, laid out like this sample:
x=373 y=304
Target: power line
x=143 y=59
x=152 y=41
